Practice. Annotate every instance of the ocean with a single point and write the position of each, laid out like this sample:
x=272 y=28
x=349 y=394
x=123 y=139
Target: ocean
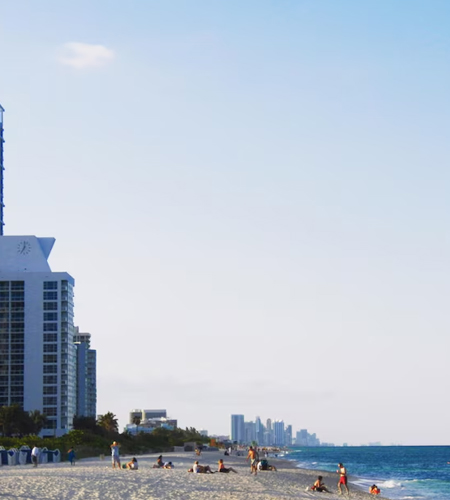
x=402 y=472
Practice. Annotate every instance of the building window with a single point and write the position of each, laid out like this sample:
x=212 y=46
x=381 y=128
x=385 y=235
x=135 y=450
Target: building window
x=50 y=369
x=50 y=337
x=50 y=358
x=50 y=401
x=50 y=285
x=50 y=306
x=17 y=285
x=50 y=412
x=50 y=327
x=50 y=316
x=50 y=389
x=50 y=295
x=50 y=348
x=50 y=379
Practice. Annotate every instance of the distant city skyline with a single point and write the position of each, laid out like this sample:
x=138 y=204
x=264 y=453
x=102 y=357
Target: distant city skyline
x=274 y=433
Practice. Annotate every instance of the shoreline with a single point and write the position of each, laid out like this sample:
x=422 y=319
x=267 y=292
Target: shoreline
x=94 y=479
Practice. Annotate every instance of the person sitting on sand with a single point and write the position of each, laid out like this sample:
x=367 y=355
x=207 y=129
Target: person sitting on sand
x=319 y=485
x=374 y=490
x=222 y=468
x=159 y=463
x=132 y=464
x=168 y=465
x=264 y=465
x=200 y=469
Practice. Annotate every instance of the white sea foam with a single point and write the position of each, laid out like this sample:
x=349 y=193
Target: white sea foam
x=391 y=484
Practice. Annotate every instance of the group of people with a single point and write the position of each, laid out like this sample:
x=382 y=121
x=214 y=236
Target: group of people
x=257 y=464
x=206 y=469
x=319 y=485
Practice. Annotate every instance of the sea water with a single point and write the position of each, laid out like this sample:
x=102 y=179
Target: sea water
x=402 y=472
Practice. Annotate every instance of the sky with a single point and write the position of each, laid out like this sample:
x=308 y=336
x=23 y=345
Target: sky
x=252 y=197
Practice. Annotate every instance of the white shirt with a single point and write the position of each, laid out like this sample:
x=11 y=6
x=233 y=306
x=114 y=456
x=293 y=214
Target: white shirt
x=35 y=451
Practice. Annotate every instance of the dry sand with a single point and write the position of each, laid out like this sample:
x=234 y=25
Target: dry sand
x=95 y=479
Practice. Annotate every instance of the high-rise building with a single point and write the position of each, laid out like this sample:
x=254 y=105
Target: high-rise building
x=250 y=432
x=259 y=430
x=278 y=432
x=86 y=375
x=288 y=436
x=237 y=428
x=37 y=353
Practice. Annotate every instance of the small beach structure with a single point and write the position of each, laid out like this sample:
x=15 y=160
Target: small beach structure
x=13 y=456
x=24 y=455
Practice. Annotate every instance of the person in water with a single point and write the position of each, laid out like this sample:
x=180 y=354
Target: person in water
x=342 y=471
x=319 y=485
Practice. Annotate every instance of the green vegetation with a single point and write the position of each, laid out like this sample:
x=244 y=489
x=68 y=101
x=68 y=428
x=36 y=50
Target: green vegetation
x=89 y=437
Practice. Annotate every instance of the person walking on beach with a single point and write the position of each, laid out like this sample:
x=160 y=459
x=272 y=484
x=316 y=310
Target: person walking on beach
x=115 y=458
x=342 y=471
x=35 y=452
x=253 y=461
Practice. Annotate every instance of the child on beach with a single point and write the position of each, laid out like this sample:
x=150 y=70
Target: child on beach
x=168 y=465
x=319 y=485
x=222 y=468
x=159 y=463
x=132 y=464
x=71 y=456
x=374 y=490
x=115 y=459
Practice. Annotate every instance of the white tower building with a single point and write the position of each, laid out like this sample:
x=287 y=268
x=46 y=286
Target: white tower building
x=37 y=353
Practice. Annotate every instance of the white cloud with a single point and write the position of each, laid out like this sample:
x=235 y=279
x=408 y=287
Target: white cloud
x=85 y=55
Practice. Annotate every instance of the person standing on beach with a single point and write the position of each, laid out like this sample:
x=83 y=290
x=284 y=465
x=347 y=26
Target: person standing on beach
x=342 y=471
x=253 y=461
x=115 y=458
x=35 y=452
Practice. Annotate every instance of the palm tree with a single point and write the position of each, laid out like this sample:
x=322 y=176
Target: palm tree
x=39 y=420
x=109 y=422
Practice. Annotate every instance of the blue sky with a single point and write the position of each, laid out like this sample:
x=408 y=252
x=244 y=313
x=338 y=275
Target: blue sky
x=252 y=198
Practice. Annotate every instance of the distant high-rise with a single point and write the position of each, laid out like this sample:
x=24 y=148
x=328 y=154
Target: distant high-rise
x=237 y=428
x=259 y=430
x=288 y=436
x=86 y=375
x=278 y=432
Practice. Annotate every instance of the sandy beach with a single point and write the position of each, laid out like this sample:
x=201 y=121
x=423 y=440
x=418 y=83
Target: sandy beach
x=95 y=479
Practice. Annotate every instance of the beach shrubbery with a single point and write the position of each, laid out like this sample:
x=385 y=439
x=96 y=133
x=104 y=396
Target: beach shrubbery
x=93 y=438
